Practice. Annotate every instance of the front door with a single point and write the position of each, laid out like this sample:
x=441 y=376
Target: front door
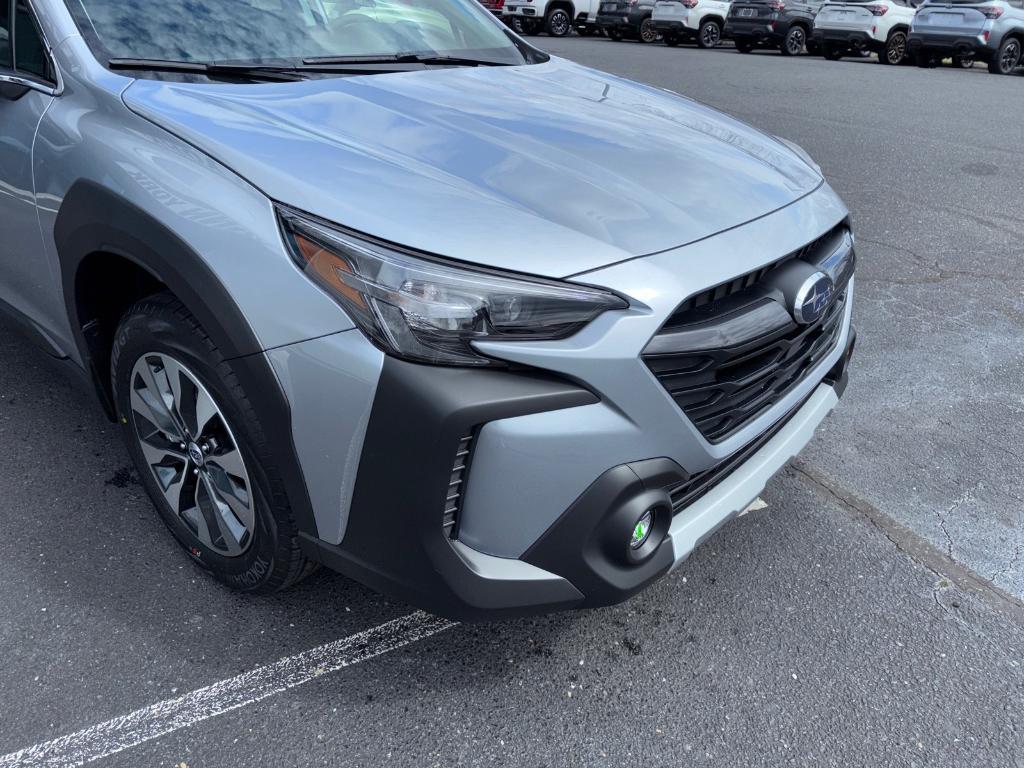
x=27 y=87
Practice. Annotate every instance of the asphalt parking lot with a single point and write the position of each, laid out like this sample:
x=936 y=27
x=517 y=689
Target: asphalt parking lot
x=870 y=614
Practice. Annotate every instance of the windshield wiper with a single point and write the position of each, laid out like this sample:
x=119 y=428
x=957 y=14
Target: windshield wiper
x=403 y=58
x=212 y=68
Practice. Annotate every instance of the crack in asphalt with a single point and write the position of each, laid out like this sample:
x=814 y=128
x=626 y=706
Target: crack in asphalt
x=1012 y=565
x=942 y=516
x=942 y=274
x=941 y=565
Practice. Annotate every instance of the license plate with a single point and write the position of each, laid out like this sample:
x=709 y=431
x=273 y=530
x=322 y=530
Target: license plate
x=746 y=13
x=948 y=18
x=609 y=7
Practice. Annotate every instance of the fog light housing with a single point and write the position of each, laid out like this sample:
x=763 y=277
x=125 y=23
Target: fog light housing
x=642 y=529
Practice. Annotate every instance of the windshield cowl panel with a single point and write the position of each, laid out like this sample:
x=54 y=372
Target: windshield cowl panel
x=289 y=33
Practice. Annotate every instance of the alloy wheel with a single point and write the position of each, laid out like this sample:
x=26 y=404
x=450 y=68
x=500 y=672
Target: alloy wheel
x=896 y=48
x=710 y=35
x=648 y=33
x=559 y=23
x=1010 y=57
x=795 y=41
x=193 y=455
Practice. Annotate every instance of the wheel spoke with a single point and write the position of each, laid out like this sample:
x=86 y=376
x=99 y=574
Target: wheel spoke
x=229 y=462
x=157 y=453
x=232 y=493
x=153 y=409
x=196 y=520
x=159 y=399
x=226 y=530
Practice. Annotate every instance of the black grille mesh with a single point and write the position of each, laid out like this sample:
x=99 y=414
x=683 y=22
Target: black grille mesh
x=722 y=390
x=696 y=486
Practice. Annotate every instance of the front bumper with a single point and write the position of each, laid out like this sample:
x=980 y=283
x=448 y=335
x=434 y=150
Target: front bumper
x=570 y=417
x=398 y=548
x=522 y=11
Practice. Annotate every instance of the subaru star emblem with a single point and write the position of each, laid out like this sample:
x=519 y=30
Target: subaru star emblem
x=196 y=454
x=813 y=298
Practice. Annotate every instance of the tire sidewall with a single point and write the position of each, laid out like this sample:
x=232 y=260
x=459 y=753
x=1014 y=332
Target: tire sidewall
x=143 y=334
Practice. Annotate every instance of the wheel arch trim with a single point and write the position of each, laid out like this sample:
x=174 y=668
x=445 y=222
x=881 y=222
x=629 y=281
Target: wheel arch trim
x=94 y=221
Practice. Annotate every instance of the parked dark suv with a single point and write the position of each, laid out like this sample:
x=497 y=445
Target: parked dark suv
x=628 y=18
x=782 y=24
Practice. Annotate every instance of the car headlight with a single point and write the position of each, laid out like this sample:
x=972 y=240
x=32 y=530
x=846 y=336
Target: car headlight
x=801 y=153
x=429 y=310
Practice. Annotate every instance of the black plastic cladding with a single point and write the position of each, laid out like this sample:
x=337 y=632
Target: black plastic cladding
x=589 y=543
x=94 y=220
x=395 y=542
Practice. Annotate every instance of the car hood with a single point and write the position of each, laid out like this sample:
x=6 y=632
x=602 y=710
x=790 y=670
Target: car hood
x=553 y=169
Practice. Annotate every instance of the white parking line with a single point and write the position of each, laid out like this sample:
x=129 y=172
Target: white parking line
x=140 y=726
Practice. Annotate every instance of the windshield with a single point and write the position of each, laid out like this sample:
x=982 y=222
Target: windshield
x=290 y=30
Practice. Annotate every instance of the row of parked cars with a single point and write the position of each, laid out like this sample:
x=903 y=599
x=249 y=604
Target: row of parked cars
x=898 y=31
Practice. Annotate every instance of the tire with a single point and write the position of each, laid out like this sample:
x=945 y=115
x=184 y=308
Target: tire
x=1007 y=58
x=670 y=40
x=648 y=33
x=530 y=28
x=254 y=546
x=796 y=39
x=744 y=46
x=813 y=48
x=895 y=50
x=615 y=35
x=558 y=23
x=964 y=62
x=831 y=52
x=925 y=60
x=710 y=34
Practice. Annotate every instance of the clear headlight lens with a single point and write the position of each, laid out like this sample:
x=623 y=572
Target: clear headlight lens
x=429 y=310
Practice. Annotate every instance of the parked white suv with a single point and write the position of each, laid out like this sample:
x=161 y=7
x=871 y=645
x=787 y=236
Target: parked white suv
x=850 y=27
x=700 y=20
x=556 y=17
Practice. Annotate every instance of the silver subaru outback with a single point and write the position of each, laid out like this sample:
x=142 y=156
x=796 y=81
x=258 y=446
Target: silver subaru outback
x=378 y=285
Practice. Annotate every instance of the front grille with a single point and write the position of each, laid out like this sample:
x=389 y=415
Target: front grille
x=457 y=486
x=684 y=311
x=729 y=354
x=695 y=486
